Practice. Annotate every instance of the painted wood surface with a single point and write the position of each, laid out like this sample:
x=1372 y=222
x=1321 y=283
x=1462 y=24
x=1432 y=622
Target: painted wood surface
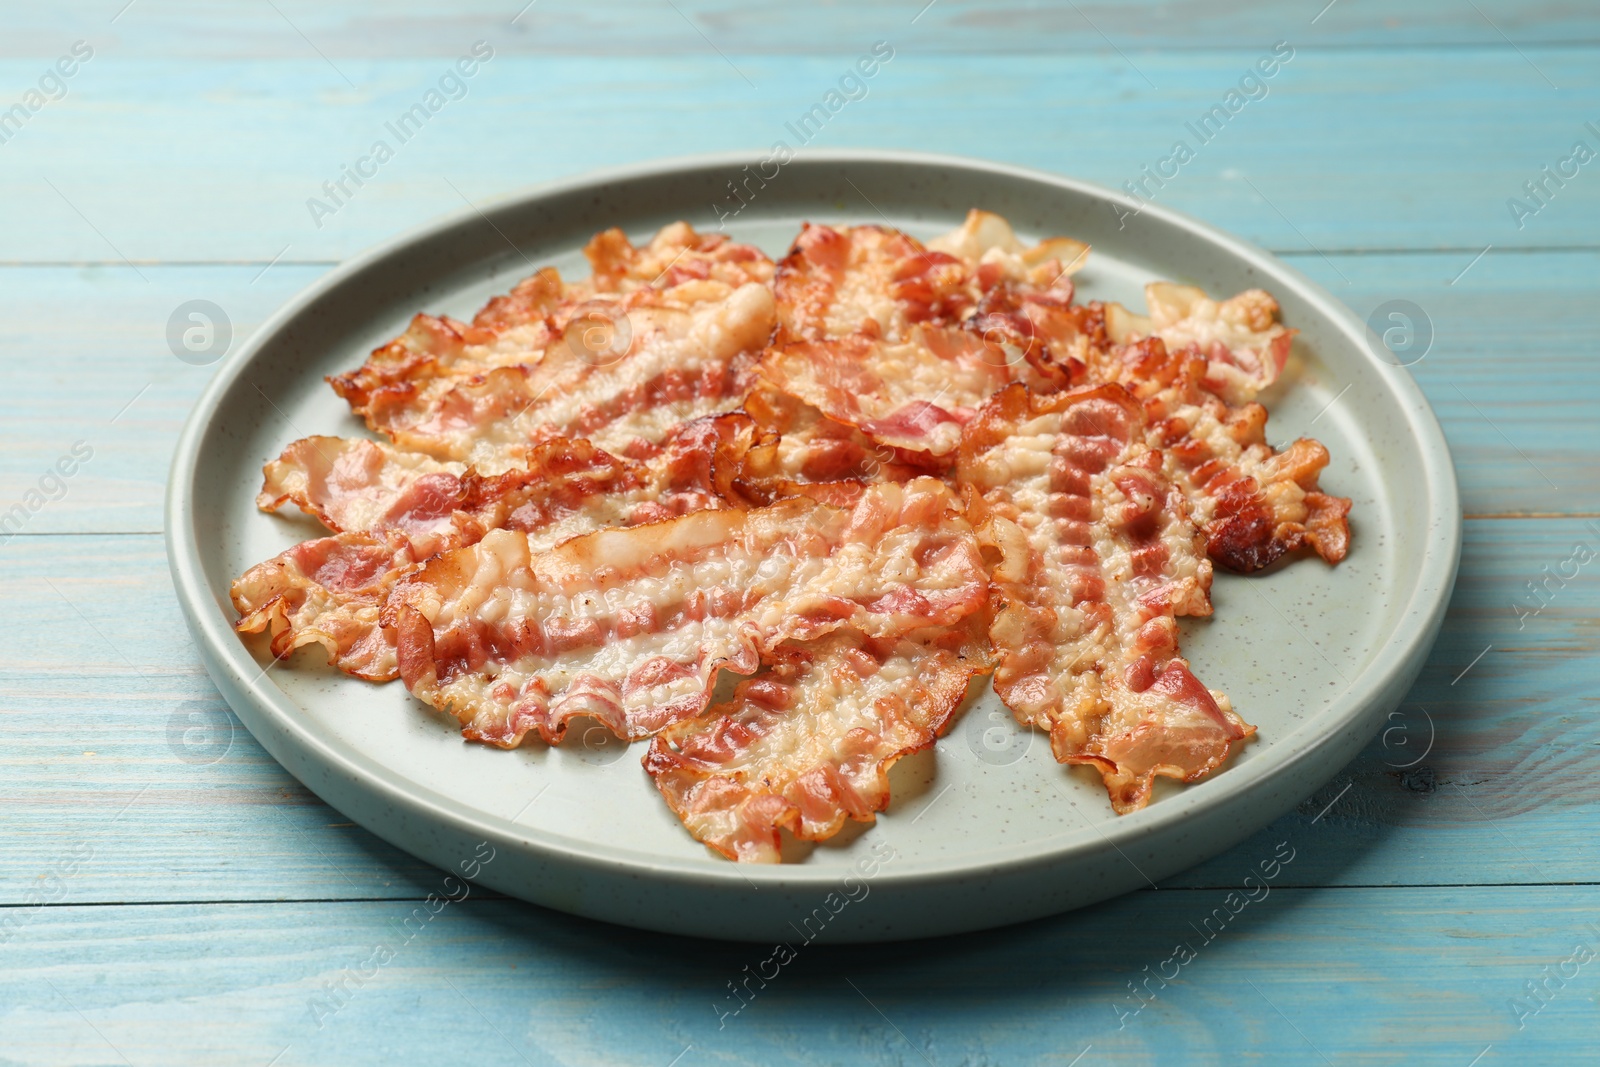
x=169 y=895
x=1288 y=979
x=222 y=155
x=298 y=28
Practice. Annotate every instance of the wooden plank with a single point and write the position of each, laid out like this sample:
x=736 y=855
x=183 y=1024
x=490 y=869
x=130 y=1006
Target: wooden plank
x=111 y=724
x=1511 y=373
x=1350 y=149
x=642 y=27
x=107 y=714
x=91 y=367
x=1414 y=976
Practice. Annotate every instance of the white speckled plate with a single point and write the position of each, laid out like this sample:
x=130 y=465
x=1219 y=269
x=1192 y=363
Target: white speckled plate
x=986 y=829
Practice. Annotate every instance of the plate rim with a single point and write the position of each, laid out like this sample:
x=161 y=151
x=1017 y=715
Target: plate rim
x=237 y=672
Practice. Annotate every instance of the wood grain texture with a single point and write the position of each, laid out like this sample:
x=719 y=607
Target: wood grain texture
x=1512 y=370
x=221 y=157
x=644 y=27
x=1291 y=979
x=109 y=380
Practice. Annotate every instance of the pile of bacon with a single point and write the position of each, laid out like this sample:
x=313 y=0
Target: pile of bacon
x=859 y=478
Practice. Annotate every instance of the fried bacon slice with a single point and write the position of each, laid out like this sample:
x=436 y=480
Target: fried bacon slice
x=987 y=240
x=1023 y=299
x=1243 y=344
x=911 y=395
x=877 y=280
x=873 y=279
x=624 y=371
x=904 y=342
x=517 y=328
x=677 y=254
x=329 y=592
x=353 y=484
x=431 y=382
x=568 y=487
x=630 y=627
x=809 y=742
x=390 y=510
x=1253 y=503
x=1094 y=558
x=799 y=451
x=436 y=350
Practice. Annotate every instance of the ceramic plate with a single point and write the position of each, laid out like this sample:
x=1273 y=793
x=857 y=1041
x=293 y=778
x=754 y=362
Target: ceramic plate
x=986 y=828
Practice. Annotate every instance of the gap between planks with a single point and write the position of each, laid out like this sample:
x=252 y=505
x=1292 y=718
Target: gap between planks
x=1486 y=44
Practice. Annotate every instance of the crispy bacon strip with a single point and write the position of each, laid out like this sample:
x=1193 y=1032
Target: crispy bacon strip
x=904 y=342
x=987 y=239
x=627 y=370
x=434 y=351
x=1096 y=556
x=799 y=451
x=872 y=279
x=809 y=743
x=543 y=311
x=1243 y=344
x=352 y=484
x=1046 y=339
x=1023 y=299
x=674 y=256
x=630 y=627
x=838 y=282
x=328 y=592
x=912 y=395
x=1253 y=503
x=567 y=488
x=391 y=509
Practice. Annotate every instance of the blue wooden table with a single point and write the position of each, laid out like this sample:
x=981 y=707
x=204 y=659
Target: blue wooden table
x=169 y=895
